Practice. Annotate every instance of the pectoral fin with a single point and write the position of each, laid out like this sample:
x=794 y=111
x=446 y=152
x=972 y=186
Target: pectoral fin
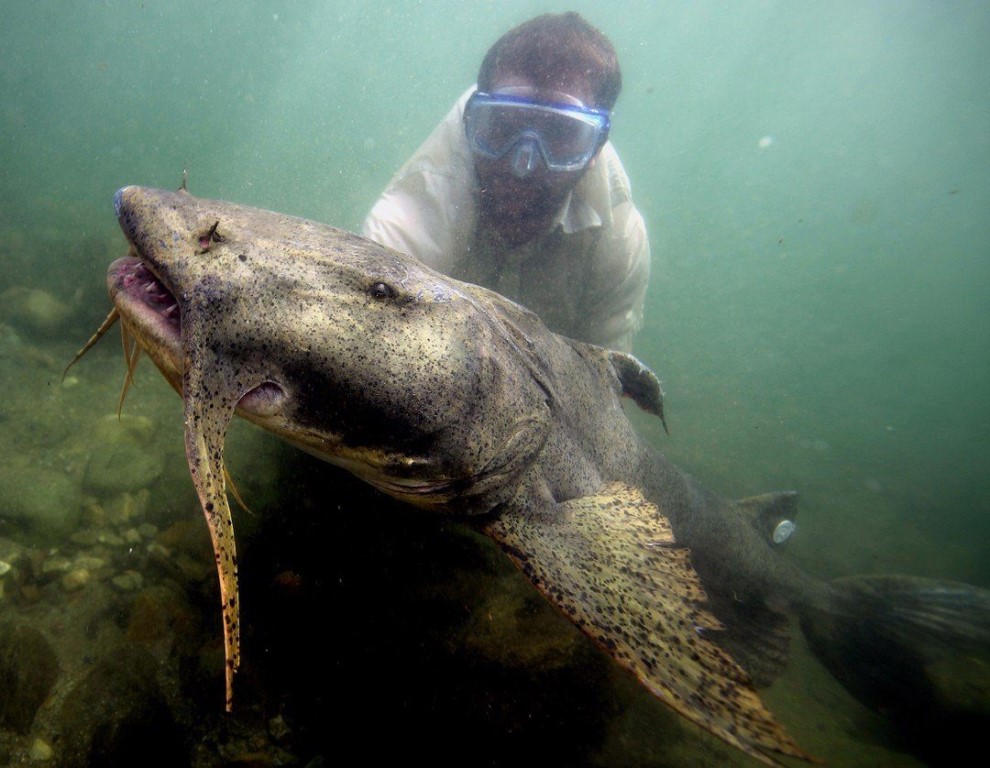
x=209 y=407
x=611 y=564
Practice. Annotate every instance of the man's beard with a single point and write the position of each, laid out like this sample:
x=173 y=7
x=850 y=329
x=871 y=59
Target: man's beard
x=504 y=205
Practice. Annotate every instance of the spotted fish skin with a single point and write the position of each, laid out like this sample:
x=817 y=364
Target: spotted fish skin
x=452 y=398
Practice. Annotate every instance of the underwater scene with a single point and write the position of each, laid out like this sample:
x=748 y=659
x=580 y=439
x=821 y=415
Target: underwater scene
x=815 y=182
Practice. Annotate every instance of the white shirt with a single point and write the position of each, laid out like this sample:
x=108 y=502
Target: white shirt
x=586 y=277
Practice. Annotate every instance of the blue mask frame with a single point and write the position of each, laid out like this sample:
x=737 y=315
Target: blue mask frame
x=565 y=136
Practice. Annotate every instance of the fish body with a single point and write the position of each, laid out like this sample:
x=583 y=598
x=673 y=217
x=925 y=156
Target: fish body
x=454 y=399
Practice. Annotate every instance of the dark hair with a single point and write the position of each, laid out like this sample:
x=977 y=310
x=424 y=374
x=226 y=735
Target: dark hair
x=555 y=50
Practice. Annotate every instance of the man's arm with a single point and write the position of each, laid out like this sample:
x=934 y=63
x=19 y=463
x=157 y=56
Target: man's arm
x=618 y=288
x=427 y=209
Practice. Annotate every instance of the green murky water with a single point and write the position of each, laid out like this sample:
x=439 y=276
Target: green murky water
x=815 y=181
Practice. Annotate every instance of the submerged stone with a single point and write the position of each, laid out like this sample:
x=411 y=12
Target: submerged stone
x=124 y=456
x=28 y=669
x=44 y=503
x=35 y=311
x=117 y=715
x=41 y=750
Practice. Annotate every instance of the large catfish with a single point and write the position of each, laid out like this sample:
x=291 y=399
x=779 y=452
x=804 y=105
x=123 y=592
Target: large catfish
x=452 y=398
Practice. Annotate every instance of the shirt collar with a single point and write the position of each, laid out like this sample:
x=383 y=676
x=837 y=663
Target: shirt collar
x=576 y=214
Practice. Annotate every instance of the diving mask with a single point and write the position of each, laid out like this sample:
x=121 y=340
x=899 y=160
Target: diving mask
x=566 y=136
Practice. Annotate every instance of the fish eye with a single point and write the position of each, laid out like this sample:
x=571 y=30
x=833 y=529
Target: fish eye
x=383 y=291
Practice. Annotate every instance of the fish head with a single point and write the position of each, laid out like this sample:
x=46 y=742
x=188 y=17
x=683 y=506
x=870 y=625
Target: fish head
x=358 y=354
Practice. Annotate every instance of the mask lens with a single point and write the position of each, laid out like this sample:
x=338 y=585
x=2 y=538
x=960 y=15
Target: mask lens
x=567 y=136
x=496 y=126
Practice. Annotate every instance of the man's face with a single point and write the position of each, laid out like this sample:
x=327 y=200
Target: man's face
x=518 y=204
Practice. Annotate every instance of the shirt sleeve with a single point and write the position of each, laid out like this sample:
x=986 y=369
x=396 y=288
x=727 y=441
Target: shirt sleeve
x=620 y=265
x=428 y=210
x=618 y=312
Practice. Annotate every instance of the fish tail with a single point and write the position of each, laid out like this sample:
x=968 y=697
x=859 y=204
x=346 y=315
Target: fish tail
x=917 y=650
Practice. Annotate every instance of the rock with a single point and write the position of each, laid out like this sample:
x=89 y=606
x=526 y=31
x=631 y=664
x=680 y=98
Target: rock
x=89 y=562
x=55 y=564
x=163 y=622
x=191 y=552
x=523 y=632
x=278 y=729
x=28 y=669
x=129 y=507
x=87 y=537
x=46 y=504
x=40 y=750
x=35 y=311
x=110 y=539
x=138 y=430
x=128 y=581
x=118 y=467
x=75 y=579
x=10 y=341
x=124 y=459
x=116 y=715
x=10 y=551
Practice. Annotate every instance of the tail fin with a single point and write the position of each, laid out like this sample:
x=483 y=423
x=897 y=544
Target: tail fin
x=915 y=649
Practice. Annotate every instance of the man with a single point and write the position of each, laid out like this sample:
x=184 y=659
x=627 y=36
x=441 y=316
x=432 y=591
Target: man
x=519 y=190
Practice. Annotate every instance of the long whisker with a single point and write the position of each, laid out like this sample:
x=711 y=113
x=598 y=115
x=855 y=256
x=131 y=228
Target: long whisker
x=105 y=326
x=132 y=353
x=235 y=493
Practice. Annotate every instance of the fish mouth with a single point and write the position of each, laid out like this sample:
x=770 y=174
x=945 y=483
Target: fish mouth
x=414 y=480
x=420 y=493
x=148 y=308
x=131 y=280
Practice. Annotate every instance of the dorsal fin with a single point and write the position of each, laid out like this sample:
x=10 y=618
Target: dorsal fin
x=639 y=383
